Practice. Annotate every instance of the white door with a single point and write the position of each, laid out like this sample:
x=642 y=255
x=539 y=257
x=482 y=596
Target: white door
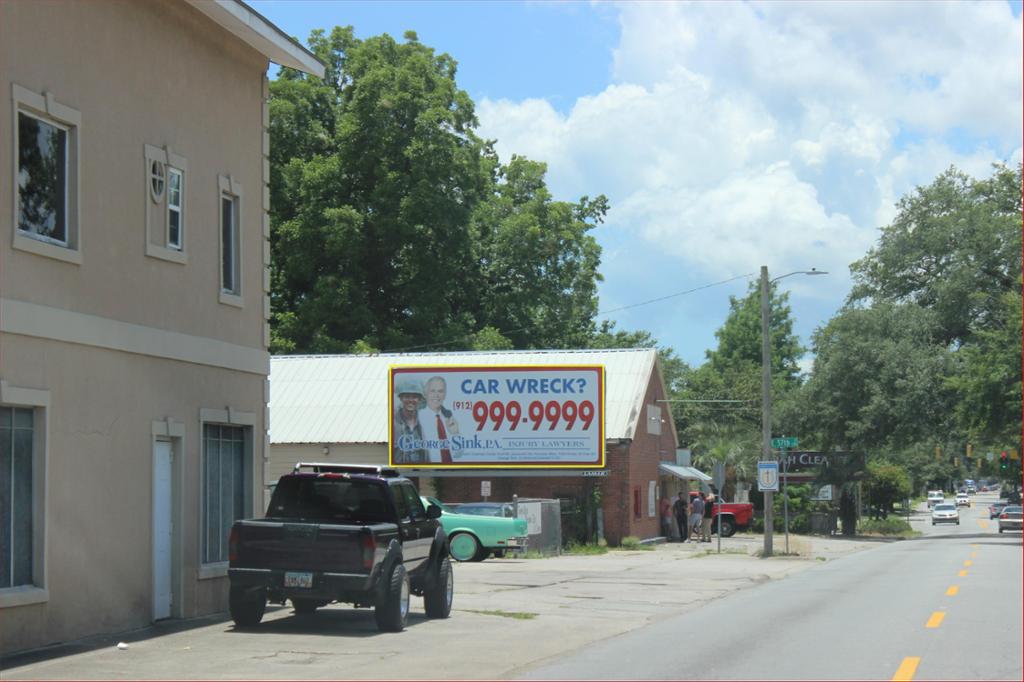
x=162 y=530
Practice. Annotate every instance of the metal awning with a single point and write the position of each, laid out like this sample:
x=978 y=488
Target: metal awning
x=686 y=473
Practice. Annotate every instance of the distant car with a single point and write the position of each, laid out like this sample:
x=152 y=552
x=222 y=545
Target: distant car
x=994 y=510
x=945 y=512
x=474 y=537
x=962 y=500
x=486 y=509
x=1010 y=518
x=935 y=497
x=971 y=490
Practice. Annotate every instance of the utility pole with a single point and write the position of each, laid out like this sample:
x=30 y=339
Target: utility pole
x=766 y=405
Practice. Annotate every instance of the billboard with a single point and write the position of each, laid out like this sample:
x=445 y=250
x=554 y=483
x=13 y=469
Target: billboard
x=494 y=416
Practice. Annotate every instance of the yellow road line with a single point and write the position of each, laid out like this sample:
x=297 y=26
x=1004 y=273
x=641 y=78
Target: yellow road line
x=975 y=546
x=936 y=619
x=907 y=668
x=974 y=555
x=953 y=589
x=983 y=524
x=968 y=563
x=963 y=573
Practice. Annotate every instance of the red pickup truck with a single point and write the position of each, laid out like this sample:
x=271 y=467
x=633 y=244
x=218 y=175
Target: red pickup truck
x=735 y=516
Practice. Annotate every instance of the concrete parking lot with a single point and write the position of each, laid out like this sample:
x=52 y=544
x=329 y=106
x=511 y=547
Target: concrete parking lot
x=508 y=614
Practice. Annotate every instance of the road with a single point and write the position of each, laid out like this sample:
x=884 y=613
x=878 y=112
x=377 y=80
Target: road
x=944 y=606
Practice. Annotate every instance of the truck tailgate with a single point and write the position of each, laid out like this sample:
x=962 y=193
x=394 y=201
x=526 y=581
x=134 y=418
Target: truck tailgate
x=306 y=546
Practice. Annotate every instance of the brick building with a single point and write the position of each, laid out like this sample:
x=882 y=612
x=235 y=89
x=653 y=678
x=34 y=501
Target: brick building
x=335 y=408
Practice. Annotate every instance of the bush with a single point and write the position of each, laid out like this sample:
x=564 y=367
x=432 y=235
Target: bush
x=889 y=526
x=633 y=542
x=583 y=548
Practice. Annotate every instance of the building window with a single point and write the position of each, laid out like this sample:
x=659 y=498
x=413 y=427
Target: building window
x=226 y=482
x=175 y=210
x=42 y=178
x=46 y=176
x=229 y=244
x=16 y=496
x=230 y=223
x=636 y=503
x=165 y=211
x=157 y=179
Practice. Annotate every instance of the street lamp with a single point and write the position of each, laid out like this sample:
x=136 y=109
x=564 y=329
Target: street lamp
x=766 y=391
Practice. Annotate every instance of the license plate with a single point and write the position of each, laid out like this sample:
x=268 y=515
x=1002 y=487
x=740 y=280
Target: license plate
x=304 y=580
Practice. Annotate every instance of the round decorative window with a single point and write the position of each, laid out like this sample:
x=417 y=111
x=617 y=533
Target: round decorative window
x=156 y=180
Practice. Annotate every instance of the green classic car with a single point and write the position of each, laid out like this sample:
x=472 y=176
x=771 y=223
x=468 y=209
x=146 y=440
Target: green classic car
x=474 y=538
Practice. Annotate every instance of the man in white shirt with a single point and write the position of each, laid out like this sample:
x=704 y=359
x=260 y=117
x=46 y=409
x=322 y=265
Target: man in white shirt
x=437 y=422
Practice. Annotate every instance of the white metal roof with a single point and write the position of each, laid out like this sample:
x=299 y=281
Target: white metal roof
x=344 y=398
x=685 y=473
x=259 y=33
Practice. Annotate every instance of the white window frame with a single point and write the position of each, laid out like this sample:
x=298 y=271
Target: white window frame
x=38 y=592
x=179 y=209
x=45 y=108
x=231 y=190
x=228 y=417
x=159 y=245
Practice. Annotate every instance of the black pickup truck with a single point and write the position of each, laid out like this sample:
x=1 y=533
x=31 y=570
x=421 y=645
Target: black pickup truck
x=350 y=533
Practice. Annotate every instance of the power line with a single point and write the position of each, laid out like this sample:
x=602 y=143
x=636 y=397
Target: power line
x=599 y=313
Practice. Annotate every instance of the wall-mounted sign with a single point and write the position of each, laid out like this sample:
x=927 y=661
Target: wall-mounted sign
x=496 y=416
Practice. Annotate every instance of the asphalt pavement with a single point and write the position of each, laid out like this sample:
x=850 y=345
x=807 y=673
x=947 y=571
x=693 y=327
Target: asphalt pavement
x=944 y=606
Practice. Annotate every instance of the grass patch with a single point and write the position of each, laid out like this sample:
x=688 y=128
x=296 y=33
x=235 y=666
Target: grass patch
x=712 y=552
x=517 y=615
x=820 y=558
x=579 y=548
x=632 y=542
x=533 y=554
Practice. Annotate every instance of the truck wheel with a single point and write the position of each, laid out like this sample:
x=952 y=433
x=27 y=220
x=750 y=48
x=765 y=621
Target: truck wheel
x=728 y=527
x=246 y=606
x=438 y=599
x=304 y=606
x=392 y=610
x=463 y=547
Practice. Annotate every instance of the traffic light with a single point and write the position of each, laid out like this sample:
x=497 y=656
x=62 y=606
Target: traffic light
x=1003 y=461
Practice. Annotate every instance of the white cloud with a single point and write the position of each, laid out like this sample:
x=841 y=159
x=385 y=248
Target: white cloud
x=739 y=134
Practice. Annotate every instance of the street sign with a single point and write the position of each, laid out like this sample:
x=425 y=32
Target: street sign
x=485 y=488
x=768 y=476
x=718 y=476
x=782 y=443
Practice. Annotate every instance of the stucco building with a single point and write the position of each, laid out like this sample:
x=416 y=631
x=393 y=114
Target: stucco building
x=134 y=275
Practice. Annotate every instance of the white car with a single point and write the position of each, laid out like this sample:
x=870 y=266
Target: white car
x=935 y=497
x=962 y=500
x=945 y=512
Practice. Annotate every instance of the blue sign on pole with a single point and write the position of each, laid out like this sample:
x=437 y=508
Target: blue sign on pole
x=768 y=476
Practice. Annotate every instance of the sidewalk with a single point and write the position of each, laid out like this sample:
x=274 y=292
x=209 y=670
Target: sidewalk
x=507 y=613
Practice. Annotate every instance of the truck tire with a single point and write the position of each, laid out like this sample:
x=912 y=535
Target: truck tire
x=437 y=599
x=392 y=609
x=464 y=546
x=246 y=606
x=305 y=606
x=728 y=527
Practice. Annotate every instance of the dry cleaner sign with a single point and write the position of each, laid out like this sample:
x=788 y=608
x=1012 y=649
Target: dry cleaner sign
x=497 y=417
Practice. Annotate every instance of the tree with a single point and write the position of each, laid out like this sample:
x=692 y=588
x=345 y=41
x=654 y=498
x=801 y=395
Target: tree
x=988 y=378
x=886 y=483
x=538 y=263
x=954 y=248
x=394 y=226
x=879 y=380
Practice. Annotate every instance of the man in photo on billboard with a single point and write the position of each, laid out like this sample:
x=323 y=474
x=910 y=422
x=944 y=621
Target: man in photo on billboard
x=437 y=421
x=407 y=428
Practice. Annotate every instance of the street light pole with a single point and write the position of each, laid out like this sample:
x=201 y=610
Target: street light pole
x=766 y=405
x=766 y=393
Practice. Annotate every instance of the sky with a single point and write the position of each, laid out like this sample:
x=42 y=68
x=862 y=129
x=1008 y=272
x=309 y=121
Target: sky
x=728 y=135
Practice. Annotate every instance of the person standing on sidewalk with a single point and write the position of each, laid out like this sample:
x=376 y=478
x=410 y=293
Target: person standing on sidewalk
x=696 y=516
x=680 y=509
x=705 y=529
